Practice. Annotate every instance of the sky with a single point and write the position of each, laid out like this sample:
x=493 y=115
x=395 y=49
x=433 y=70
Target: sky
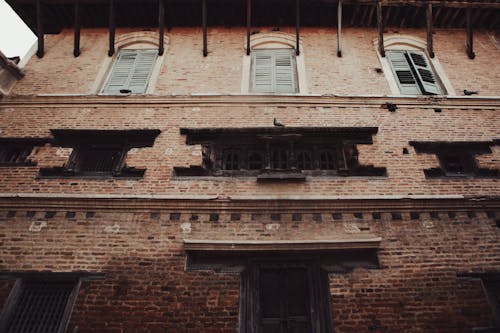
x=15 y=37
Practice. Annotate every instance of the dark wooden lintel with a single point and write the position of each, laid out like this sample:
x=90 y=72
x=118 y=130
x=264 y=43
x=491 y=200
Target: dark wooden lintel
x=161 y=26
x=430 y=46
x=380 y=25
x=39 y=29
x=204 y=26
x=112 y=28
x=76 y=45
x=297 y=27
x=339 y=29
x=470 y=38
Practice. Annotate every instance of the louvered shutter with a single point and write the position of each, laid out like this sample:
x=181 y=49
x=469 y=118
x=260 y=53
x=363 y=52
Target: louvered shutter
x=131 y=71
x=273 y=71
x=263 y=71
x=403 y=73
x=284 y=67
x=424 y=73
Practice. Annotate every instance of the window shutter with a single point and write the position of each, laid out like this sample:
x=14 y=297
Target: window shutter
x=428 y=82
x=403 y=73
x=131 y=71
x=284 y=65
x=263 y=71
x=274 y=71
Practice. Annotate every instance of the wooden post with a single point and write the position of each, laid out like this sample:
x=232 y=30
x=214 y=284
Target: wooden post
x=297 y=27
x=76 y=44
x=112 y=28
x=339 y=29
x=204 y=24
x=249 y=24
x=430 y=46
x=470 y=37
x=380 y=25
x=39 y=29
x=161 y=26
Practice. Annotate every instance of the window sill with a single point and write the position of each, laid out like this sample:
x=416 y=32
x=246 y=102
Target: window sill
x=438 y=173
x=60 y=172
x=14 y=164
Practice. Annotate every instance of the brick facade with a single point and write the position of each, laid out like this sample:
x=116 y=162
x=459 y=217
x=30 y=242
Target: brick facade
x=432 y=230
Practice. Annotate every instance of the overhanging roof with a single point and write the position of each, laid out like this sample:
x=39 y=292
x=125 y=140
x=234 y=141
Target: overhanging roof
x=59 y=14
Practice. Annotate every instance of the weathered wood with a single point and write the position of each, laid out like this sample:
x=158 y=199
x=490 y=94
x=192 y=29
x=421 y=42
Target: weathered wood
x=470 y=37
x=339 y=29
x=387 y=16
x=76 y=44
x=39 y=29
x=380 y=26
x=112 y=28
x=249 y=24
x=430 y=46
x=297 y=27
x=161 y=26
x=204 y=26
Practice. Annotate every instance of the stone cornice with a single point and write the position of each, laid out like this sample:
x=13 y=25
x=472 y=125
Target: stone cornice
x=248 y=204
x=492 y=102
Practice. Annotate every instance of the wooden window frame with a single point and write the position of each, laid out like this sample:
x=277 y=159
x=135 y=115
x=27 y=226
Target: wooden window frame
x=20 y=284
x=319 y=297
x=422 y=84
x=341 y=142
x=25 y=145
x=125 y=89
x=465 y=152
x=83 y=141
x=273 y=53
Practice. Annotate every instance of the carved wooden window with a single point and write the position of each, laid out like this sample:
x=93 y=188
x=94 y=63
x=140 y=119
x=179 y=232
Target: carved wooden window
x=16 y=151
x=99 y=153
x=286 y=153
x=14 y=154
x=39 y=306
x=456 y=159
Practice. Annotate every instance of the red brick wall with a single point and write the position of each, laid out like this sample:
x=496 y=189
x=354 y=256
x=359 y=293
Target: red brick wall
x=148 y=290
x=185 y=70
x=405 y=172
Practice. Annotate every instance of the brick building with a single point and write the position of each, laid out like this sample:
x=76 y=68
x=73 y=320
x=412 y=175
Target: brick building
x=252 y=166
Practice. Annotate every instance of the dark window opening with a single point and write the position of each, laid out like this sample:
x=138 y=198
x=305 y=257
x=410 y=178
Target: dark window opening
x=99 y=153
x=456 y=159
x=231 y=159
x=39 y=306
x=16 y=151
x=279 y=159
x=304 y=160
x=284 y=300
x=255 y=161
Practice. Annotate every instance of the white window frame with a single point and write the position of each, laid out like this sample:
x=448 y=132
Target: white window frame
x=274 y=40
x=410 y=43
x=141 y=40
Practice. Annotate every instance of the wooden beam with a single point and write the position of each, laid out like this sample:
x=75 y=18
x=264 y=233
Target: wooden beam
x=39 y=29
x=161 y=26
x=249 y=24
x=470 y=37
x=297 y=27
x=380 y=25
x=430 y=46
x=112 y=28
x=76 y=44
x=204 y=26
x=339 y=29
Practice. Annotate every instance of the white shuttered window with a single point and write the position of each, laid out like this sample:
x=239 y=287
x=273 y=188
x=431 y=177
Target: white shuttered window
x=131 y=72
x=274 y=71
x=413 y=73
